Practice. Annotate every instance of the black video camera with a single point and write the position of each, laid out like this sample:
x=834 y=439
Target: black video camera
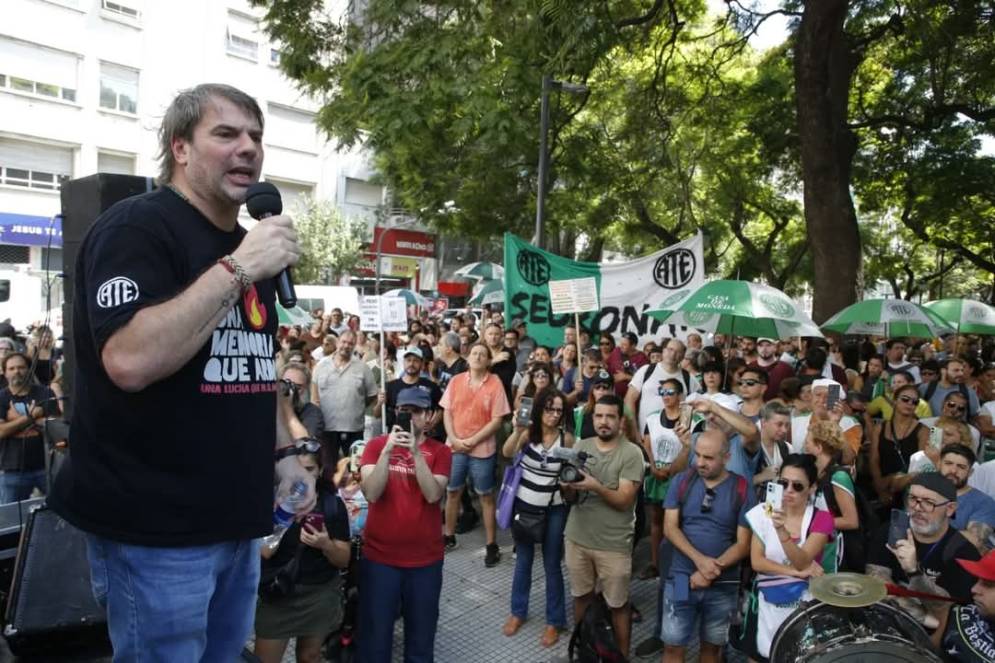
x=573 y=463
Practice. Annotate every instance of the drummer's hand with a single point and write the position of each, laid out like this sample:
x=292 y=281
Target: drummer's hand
x=905 y=552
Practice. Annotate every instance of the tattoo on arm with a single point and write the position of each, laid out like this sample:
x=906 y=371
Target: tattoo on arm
x=226 y=303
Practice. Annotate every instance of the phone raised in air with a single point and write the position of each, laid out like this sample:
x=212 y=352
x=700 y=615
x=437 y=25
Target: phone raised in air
x=832 y=396
x=403 y=420
x=898 y=529
x=775 y=496
x=524 y=414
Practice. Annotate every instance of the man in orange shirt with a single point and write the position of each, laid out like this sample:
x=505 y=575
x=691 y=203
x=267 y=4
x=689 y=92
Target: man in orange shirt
x=474 y=405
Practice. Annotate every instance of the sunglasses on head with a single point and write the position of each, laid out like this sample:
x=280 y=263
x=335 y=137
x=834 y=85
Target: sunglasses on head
x=796 y=486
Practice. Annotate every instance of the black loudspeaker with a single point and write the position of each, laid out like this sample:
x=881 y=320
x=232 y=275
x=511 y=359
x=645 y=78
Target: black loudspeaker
x=83 y=200
x=51 y=609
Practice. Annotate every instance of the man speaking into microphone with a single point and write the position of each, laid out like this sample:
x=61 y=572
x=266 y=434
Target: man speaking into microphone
x=172 y=438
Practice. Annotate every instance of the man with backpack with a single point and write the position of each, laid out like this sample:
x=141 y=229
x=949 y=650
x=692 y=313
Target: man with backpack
x=705 y=520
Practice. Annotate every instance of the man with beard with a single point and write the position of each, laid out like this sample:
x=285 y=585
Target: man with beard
x=23 y=405
x=967 y=632
x=926 y=559
x=775 y=369
x=413 y=361
x=975 y=515
x=343 y=386
x=600 y=526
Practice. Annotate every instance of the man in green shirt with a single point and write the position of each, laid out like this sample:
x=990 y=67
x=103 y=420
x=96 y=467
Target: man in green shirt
x=601 y=523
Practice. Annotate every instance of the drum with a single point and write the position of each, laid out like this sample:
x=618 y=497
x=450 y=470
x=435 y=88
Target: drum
x=821 y=633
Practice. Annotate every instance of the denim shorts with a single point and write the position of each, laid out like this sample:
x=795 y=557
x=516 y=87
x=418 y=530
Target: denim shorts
x=481 y=472
x=714 y=606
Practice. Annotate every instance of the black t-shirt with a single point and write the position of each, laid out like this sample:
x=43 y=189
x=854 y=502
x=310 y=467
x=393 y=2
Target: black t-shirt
x=25 y=450
x=447 y=373
x=506 y=371
x=189 y=459
x=394 y=387
x=969 y=638
x=938 y=561
x=314 y=567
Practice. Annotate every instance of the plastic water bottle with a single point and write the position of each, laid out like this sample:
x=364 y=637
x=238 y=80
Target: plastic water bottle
x=283 y=515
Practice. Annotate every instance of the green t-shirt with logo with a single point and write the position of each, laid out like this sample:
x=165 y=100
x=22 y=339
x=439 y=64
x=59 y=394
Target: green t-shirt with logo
x=592 y=522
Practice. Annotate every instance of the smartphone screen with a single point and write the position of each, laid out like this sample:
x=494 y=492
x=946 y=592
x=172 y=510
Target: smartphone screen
x=898 y=529
x=935 y=437
x=832 y=396
x=775 y=496
x=685 y=419
x=524 y=414
x=314 y=521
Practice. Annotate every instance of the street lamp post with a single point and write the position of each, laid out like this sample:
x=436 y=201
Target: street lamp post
x=548 y=85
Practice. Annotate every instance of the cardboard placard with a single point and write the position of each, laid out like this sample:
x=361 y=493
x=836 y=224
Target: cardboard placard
x=574 y=295
x=383 y=314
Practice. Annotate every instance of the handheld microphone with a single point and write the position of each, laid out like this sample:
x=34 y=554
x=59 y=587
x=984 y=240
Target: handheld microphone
x=263 y=201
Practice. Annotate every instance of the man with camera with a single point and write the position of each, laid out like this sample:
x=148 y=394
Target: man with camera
x=600 y=527
x=303 y=418
x=404 y=477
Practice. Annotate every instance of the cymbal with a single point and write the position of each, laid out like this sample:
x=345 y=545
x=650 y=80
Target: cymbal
x=847 y=590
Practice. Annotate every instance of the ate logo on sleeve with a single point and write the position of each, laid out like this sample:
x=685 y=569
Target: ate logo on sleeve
x=116 y=291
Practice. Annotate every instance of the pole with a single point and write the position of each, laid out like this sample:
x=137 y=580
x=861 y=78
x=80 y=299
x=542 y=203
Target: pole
x=376 y=288
x=383 y=366
x=540 y=235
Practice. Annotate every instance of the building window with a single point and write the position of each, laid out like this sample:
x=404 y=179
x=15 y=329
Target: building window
x=37 y=70
x=118 y=88
x=34 y=165
x=293 y=194
x=360 y=192
x=15 y=255
x=291 y=127
x=121 y=9
x=117 y=164
x=242 y=36
x=274 y=56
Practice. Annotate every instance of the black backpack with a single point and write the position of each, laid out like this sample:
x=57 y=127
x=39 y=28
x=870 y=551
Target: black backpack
x=855 y=542
x=593 y=639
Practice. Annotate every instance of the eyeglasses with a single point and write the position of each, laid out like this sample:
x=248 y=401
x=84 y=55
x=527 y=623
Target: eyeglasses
x=908 y=399
x=796 y=486
x=605 y=344
x=955 y=406
x=921 y=503
x=706 y=504
x=668 y=392
x=541 y=374
x=555 y=410
x=749 y=383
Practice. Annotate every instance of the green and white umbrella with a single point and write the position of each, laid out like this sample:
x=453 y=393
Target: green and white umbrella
x=481 y=271
x=967 y=316
x=892 y=318
x=488 y=292
x=736 y=307
x=410 y=297
x=293 y=316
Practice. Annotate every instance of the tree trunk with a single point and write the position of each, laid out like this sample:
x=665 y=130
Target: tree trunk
x=824 y=67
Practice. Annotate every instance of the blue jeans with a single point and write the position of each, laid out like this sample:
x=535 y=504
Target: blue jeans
x=176 y=604
x=16 y=486
x=552 y=555
x=707 y=611
x=481 y=471
x=382 y=590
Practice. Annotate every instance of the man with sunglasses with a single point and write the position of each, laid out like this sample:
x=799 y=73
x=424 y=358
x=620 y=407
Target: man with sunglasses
x=750 y=387
x=925 y=560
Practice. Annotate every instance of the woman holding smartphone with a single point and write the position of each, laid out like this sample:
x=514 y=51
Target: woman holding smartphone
x=789 y=541
x=668 y=456
x=320 y=545
x=539 y=376
x=538 y=493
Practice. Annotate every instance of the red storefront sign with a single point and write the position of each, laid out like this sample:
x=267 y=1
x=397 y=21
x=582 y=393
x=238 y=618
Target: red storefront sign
x=401 y=242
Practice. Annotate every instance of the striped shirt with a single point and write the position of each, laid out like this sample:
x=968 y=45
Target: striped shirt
x=539 y=475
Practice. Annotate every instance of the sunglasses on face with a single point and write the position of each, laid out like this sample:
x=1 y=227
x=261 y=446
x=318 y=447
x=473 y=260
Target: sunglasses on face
x=706 y=504
x=605 y=344
x=957 y=407
x=555 y=410
x=749 y=383
x=668 y=392
x=796 y=486
x=908 y=399
x=541 y=374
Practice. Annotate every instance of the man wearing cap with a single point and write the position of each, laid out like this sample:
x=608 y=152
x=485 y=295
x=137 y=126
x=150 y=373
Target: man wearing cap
x=412 y=361
x=775 y=369
x=404 y=477
x=624 y=361
x=526 y=344
x=926 y=559
x=967 y=632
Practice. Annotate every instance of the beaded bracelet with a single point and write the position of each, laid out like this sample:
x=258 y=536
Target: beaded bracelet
x=232 y=265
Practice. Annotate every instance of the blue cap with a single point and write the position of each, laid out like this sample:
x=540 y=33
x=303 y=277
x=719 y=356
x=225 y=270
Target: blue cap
x=414 y=396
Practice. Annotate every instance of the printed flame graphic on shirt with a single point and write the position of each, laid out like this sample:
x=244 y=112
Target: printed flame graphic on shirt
x=255 y=310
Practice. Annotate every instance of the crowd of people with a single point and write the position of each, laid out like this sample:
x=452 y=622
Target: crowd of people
x=677 y=441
